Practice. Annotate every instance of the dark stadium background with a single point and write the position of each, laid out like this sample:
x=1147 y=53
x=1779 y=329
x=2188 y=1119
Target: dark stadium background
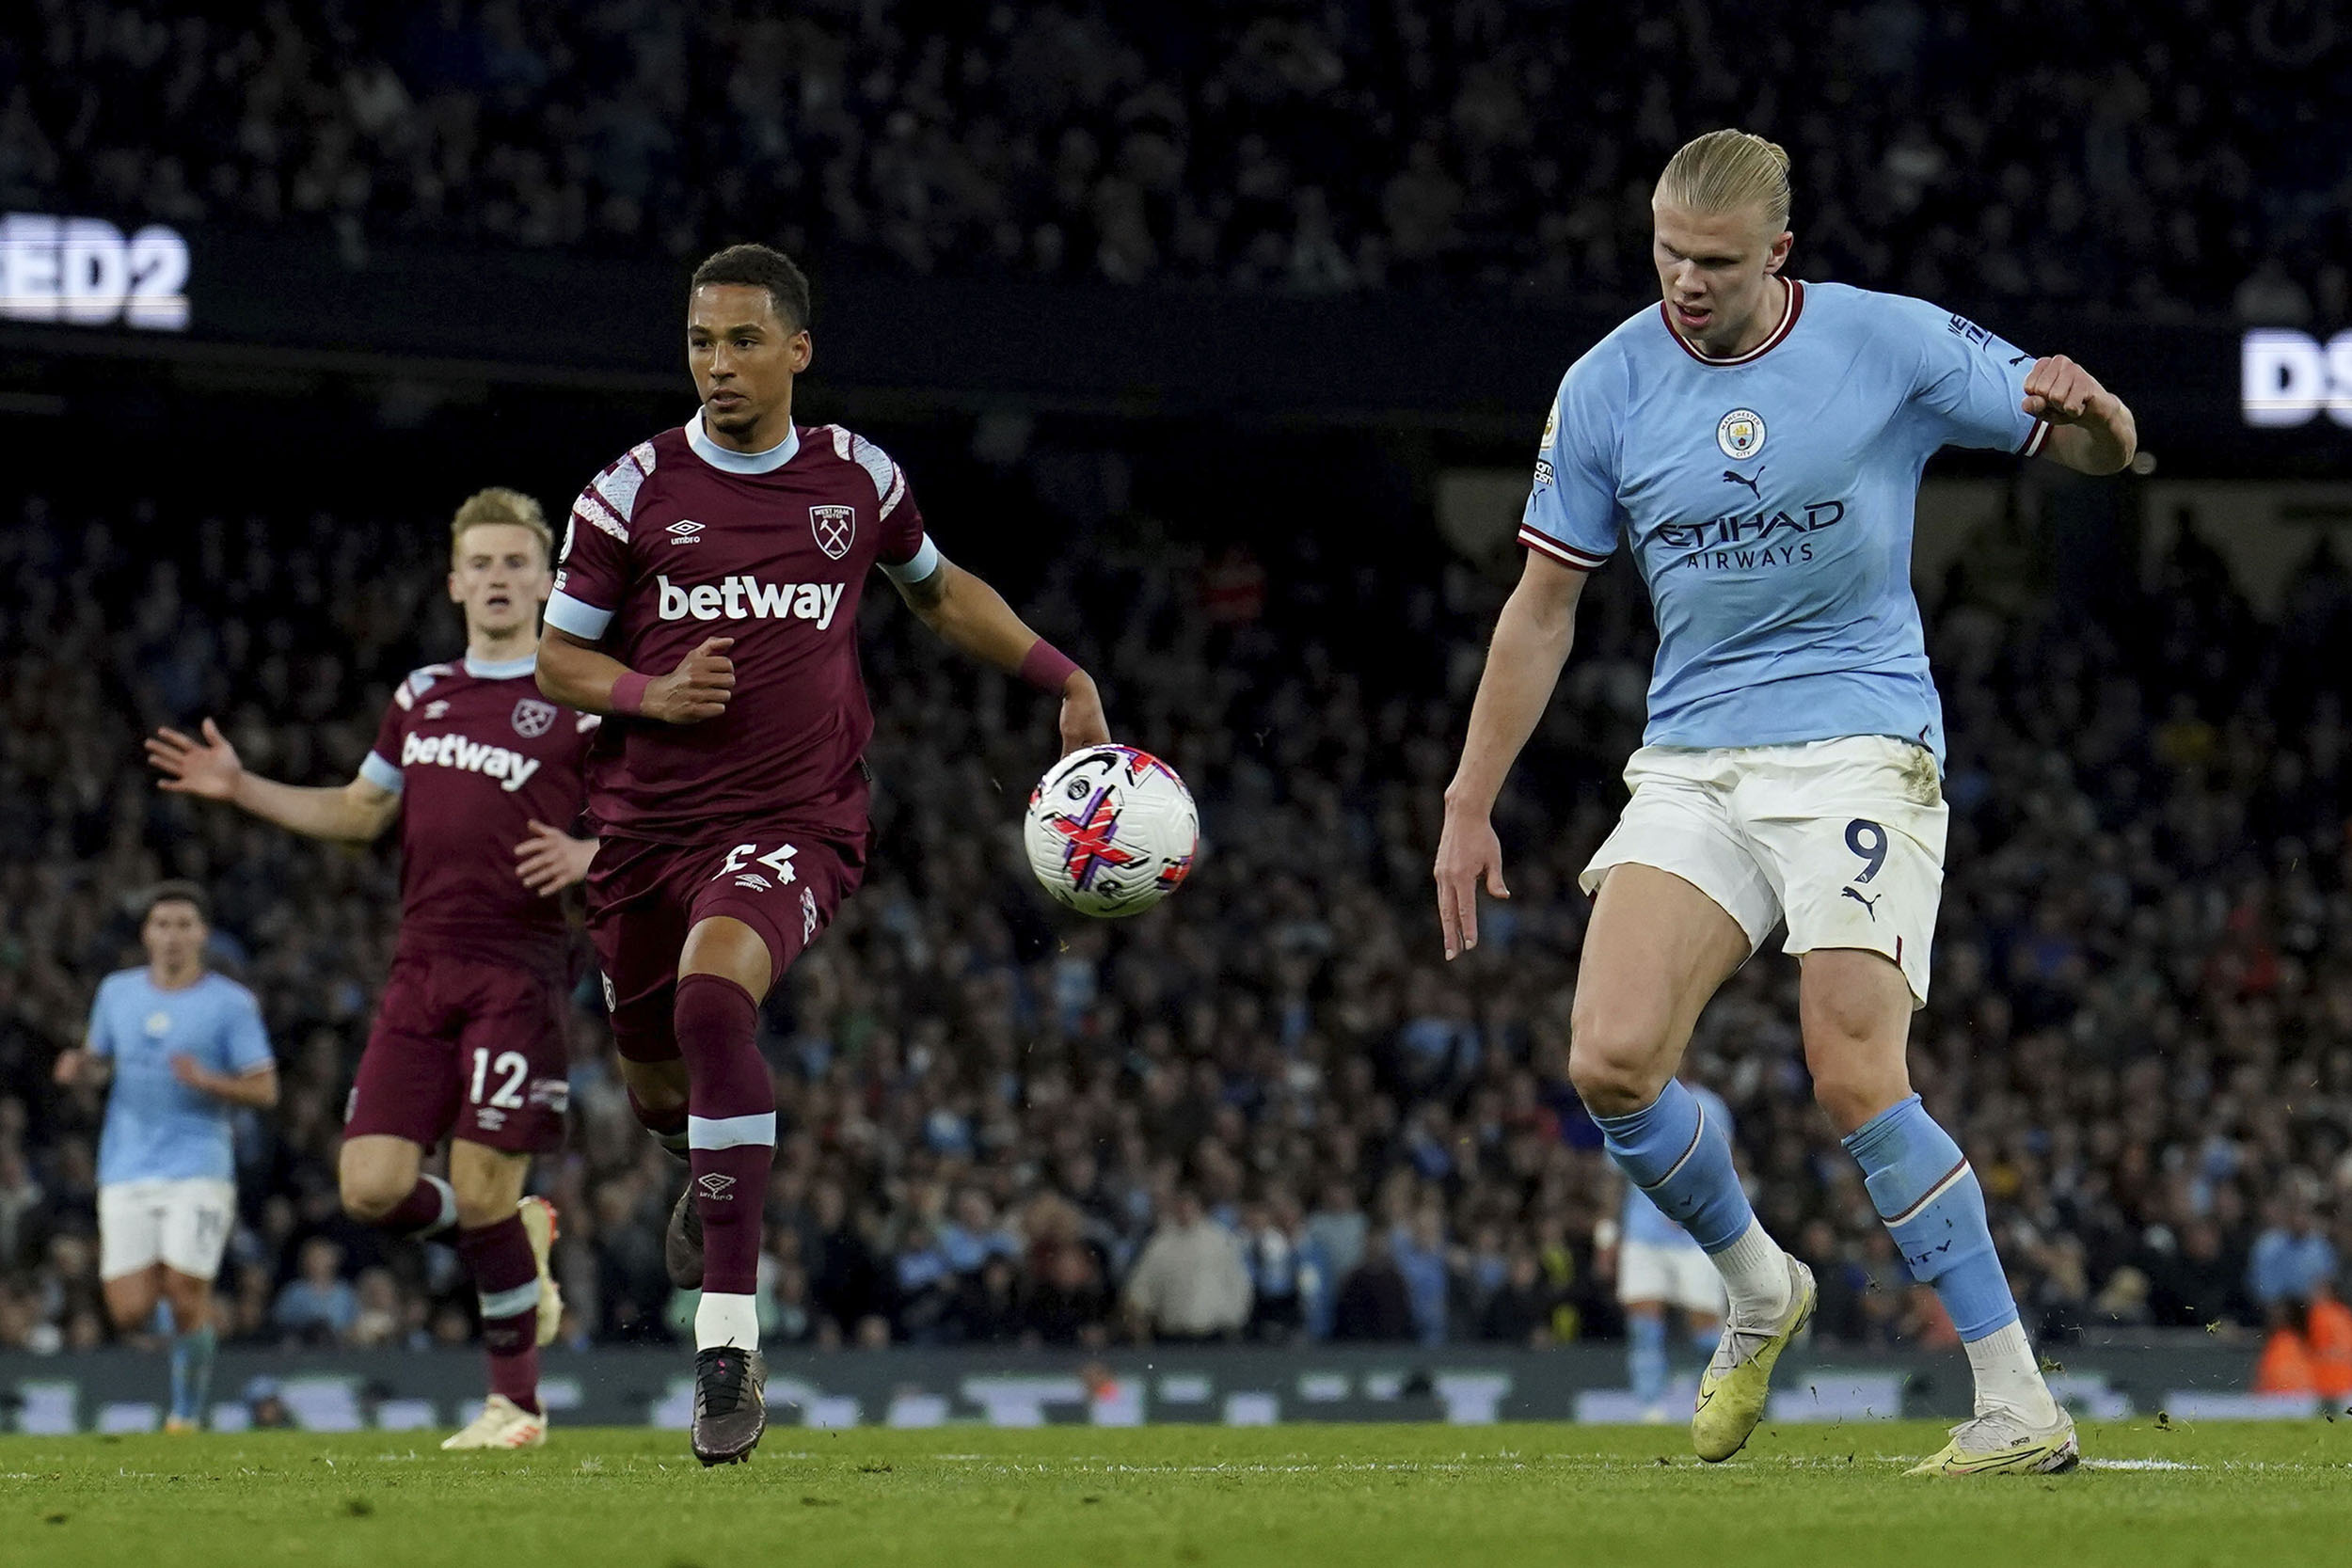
x=1211 y=335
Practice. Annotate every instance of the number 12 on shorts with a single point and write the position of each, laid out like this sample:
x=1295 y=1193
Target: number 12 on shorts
x=511 y=1067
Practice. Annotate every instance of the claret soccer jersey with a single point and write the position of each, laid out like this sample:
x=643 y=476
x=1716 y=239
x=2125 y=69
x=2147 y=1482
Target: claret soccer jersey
x=683 y=540
x=477 y=755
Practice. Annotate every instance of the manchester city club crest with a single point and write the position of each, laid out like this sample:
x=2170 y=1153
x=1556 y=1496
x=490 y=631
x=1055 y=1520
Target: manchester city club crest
x=1740 y=434
x=534 y=718
x=834 y=527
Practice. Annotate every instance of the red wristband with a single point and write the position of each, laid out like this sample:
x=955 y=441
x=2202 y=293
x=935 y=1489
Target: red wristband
x=1046 y=667
x=628 y=691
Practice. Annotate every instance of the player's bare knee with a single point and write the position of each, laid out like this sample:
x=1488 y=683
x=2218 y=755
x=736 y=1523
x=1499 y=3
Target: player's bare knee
x=1616 y=1069
x=1852 y=1085
x=368 y=1197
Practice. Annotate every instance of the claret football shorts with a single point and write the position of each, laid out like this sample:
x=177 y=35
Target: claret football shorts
x=644 y=898
x=480 y=1051
x=1843 y=839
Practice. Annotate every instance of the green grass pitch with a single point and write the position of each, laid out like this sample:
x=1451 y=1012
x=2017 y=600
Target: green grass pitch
x=1296 y=1496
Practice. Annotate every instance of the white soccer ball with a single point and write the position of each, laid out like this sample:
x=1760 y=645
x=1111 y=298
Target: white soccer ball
x=1111 y=830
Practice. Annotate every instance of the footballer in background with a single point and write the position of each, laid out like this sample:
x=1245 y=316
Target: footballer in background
x=708 y=602
x=182 y=1048
x=470 y=1037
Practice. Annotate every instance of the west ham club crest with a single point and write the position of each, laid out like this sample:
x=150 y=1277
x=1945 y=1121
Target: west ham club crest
x=534 y=718
x=834 y=527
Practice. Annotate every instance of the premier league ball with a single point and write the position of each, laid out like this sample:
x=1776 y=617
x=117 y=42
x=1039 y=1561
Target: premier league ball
x=1111 y=830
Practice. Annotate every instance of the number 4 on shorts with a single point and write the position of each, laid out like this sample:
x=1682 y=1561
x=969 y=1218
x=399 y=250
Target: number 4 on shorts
x=777 y=860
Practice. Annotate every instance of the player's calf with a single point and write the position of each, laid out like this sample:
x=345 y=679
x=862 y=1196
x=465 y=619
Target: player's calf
x=1928 y=1196
x=509 y=1288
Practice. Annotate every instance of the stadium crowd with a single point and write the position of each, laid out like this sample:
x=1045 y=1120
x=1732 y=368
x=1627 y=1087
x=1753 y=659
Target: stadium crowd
x=1265 y=1109
x=2156 y=160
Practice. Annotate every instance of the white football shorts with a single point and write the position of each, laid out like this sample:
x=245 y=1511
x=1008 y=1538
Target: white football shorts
x=1843 y=839
x=182 y=1224
x=1680 y=1276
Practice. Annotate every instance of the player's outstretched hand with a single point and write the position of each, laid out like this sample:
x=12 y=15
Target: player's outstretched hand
x=2061 y=391
x=1468 y=852
x=698 y=688
x=1082 y=722
x=208 y=767
x=551 y=860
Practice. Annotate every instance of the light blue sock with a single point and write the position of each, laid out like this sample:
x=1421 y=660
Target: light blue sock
x=1646 y=1357
x=1683 y=1162
x=191 y=1373
x=1924 y=1190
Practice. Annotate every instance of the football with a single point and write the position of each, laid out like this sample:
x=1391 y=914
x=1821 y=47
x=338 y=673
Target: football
x=1111 y=830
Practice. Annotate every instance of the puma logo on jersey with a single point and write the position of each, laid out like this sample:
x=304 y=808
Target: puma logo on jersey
x=1869 y=905
x=1756 y=486
x=747 y=598
x=510 y=769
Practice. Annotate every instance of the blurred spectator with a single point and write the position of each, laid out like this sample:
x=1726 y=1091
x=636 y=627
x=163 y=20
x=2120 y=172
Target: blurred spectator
x=1518 y=1312
x=1374 y=1305
x=1271 y=1234
x=2310 y=1352
x=2195 y=1282
x=318 y=1306
x=1189 y=1283
x=2291 y=1257
x=377 y=1321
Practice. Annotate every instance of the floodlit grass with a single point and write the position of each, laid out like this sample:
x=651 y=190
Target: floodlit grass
x=1296 y=1496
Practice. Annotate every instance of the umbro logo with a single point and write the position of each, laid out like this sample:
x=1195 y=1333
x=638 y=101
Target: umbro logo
x=715 y=1186
x=684 y=532
x=435 y=708
x=1871 y=905
x=754 y=881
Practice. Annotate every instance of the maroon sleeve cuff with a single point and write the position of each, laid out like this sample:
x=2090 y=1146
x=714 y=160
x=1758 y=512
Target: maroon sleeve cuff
x=628 y=691
x=1046 y=667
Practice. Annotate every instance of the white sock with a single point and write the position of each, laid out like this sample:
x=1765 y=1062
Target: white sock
x=726 y=1320
x=2009 y=1378
x=1756 y=1276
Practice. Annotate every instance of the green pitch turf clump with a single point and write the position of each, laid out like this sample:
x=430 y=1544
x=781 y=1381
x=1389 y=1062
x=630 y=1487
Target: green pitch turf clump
x=1287 y=1496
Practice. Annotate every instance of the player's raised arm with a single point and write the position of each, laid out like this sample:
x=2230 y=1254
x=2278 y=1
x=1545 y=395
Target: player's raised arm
x=2091 y=430
x=974 y=619
x=1531 y=642
x=354 y=813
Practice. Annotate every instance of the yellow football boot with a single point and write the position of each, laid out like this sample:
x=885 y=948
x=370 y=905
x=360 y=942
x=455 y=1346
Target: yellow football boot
x=1733 y=1389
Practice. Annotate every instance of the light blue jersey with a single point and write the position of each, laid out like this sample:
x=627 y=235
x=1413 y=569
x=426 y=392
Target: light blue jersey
x=1643 y=1220
x=1768 y=500
x=157 y=1127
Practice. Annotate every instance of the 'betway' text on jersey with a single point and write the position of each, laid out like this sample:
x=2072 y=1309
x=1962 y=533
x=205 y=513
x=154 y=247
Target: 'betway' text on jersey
x=510 y=769
x=742 y=599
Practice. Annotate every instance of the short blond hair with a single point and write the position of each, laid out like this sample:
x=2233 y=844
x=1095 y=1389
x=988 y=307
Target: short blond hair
x=1726 y=170
x=506 y=508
